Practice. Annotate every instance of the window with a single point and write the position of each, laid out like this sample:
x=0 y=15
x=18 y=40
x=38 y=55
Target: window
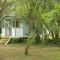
x=16 y=24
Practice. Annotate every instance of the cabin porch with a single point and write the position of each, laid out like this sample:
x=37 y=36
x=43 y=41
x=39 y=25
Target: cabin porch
x=14 y=28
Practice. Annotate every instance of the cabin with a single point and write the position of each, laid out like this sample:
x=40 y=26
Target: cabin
x=16 y=28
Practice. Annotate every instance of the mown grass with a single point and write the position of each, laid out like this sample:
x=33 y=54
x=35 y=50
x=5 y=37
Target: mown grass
x=16 y=52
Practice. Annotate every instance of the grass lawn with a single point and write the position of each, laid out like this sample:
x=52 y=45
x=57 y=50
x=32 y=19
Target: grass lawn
x=16 y=52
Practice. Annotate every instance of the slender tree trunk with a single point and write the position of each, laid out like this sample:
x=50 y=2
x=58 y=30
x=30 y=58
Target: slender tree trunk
x=30 y=30
x=26 y=49
x=57 y=35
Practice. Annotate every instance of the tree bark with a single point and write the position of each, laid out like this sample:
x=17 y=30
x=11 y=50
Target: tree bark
x=26 y=50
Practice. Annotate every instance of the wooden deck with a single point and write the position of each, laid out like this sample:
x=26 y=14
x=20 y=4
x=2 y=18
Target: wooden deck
x=5 y=40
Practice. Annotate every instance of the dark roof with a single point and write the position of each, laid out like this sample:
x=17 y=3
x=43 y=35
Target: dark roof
x=8 y=18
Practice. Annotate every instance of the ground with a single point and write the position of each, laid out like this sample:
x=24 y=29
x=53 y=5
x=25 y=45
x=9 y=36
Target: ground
x=16 y=52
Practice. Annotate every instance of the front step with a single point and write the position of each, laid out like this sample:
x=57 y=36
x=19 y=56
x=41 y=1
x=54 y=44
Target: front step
x=5 y=40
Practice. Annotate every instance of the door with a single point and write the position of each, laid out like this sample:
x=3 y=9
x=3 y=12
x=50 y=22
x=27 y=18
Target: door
x=8 y=28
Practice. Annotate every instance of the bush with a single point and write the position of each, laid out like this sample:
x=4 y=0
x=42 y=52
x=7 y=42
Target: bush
x=50 y=42
x=37 y=41
x=17 y=40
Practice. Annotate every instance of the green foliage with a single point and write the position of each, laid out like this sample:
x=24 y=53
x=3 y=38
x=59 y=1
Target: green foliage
x=31 y=38
x=18 y=40
x=41 y=15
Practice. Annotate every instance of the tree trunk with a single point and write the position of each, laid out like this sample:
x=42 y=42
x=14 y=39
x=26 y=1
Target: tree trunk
x=26 y=50
x=57 y=35
x=30 y=30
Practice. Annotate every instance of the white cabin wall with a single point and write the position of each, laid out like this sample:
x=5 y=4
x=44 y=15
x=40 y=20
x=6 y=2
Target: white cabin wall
x=13 y=33
x=3 y=32
x=19 y=32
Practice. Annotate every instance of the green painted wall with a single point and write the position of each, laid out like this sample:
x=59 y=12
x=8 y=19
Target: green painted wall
x=25 y=29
